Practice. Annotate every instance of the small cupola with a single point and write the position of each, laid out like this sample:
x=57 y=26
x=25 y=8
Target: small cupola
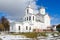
x=42 y=10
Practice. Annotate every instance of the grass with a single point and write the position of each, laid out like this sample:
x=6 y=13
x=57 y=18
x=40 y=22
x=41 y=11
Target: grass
x=31 y=34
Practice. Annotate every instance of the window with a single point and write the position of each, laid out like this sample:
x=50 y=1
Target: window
x=30 y=28
x=19 y=27
x=27 y=11
x=29 y=18
x=33 y=17
x=26 y=27
x=25 y=19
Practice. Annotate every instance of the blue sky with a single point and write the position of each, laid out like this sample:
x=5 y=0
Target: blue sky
x=52 y=7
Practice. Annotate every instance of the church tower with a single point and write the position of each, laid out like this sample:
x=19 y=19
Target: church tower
x=29 y=14
x=42 y=11
x=29 y=10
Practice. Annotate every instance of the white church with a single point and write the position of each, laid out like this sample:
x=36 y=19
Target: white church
x=32 y=21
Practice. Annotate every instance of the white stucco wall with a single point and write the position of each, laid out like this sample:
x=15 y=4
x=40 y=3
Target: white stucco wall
x=42 y=23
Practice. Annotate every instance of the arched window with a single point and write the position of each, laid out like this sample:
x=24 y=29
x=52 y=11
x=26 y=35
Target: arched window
x=25 y=19
x=19 y=27
x=27 y=11
x=33 y=18
x=29 y=18
x=26 y=27
x=30 y=28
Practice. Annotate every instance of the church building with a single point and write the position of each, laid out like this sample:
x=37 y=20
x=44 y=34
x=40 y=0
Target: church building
x=32 y=22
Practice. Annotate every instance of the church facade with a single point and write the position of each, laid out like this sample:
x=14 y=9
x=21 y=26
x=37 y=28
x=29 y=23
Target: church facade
x=32 y=22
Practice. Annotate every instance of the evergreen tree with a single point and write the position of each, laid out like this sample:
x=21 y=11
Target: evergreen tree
x=58 y=28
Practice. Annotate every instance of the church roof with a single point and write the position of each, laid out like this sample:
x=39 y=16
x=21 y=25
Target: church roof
x=42 y=7
x=29 y=6
x=40 y=14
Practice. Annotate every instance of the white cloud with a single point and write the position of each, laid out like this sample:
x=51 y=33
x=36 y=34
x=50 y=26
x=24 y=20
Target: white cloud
x=15 y=8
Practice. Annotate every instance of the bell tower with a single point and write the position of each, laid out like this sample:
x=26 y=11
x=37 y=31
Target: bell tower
x=29 y=10
x=29 y=14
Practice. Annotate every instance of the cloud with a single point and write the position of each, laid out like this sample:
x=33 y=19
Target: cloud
x=15 y=8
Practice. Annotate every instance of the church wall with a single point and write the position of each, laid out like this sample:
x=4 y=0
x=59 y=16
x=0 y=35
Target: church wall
x=30 y=10
x=40 y=25
x=47 y=20
x=12 y=25
x=17 y=27
x=28 y=27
